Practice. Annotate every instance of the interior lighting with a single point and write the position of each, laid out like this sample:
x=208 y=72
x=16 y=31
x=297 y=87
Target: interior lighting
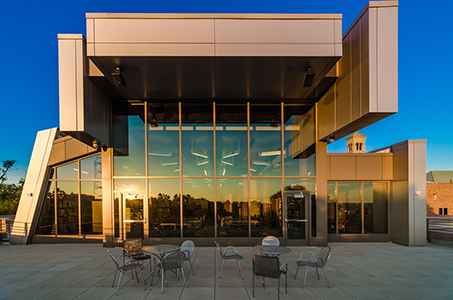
x=270 y=153
x=309 y=77
x=118 y=78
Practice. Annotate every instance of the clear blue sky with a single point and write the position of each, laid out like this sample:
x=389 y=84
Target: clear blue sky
x=29 y=77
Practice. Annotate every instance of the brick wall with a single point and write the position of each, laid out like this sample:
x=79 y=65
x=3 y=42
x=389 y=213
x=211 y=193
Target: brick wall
x=439 y=195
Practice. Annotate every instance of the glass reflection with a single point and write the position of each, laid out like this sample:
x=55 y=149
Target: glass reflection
x=375 y=207
x=67 y=207
x=129 y=140
x=331 y=208
x=299 y=143
x=265 y=140
x=231 y=139
x=198 y=207
x=197 y=140
x=91 y=207
x=266 y=207
x=68 y=171
x=164 y=208
x=129 y=194
x=304 y=184
x=46 y=224
x=232 y=208
x=163 y=139
x=91 y=167
x=349 y=207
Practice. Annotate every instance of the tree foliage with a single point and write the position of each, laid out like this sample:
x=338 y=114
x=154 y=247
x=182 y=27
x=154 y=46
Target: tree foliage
x=9 y=192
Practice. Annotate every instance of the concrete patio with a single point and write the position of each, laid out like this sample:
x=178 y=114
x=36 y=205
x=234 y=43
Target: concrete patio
x=355 y=271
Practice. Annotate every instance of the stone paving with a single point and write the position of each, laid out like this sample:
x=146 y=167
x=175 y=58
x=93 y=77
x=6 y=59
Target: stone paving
x=355 y=271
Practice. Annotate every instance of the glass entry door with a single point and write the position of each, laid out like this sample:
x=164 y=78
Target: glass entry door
x=132 y=215
x=297 y=221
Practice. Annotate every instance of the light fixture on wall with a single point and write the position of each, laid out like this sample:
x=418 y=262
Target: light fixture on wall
x=274 y=124
x=154 y=124
x=309 y=77
x=118 y=78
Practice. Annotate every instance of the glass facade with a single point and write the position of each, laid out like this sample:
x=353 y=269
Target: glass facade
x=73 y=205
x=213 y=169
x=357 y=207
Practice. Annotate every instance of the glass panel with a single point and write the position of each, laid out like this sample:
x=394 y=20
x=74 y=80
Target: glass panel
x=296 y=210
x=68 y=207
x=46 y=223
x=349 y=207
x=164 y=208
x=231 y=139
x=331 y=208
x=129 y=193
x=313 y=216
x=375 y=207
x=232 y=208
x=299 y=140
x=265 y=207
x=69 y=171
x=163 y=139
x=129 y=140
x=300 y=184
x=91 y=167
x=91 y=207
x=198 y=207
x=265 y=140
x=197 y=140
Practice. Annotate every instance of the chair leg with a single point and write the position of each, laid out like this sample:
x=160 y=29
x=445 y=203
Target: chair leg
x=184 y=277
x=191 y=267
x=141 y=273
x=239 y=267
x=326 y=277
x=297 y=270
x=317 y=273
x=119 y=283
x=306 y=274
x=136 y=275
x=278 y=288
x=221 y=267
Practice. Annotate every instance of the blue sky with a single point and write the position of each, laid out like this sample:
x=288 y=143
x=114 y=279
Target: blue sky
x=29 y=77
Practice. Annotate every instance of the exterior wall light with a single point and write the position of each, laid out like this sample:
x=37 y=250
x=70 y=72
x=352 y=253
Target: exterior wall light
x=118 y=78
x=309 y=77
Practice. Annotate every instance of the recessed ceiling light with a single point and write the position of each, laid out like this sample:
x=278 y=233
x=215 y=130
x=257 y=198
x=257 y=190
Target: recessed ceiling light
x=290 y=69
x=136 y=68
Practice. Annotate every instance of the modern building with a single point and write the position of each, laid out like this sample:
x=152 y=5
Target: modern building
x=215 y=127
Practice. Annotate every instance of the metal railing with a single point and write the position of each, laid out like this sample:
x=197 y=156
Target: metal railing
x=10 y=227
x=440 y=230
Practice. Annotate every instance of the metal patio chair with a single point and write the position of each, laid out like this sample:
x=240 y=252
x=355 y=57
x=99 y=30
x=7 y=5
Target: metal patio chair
x=229 y=254
x=270 y=241
x=315 y=262
x=134 y=247
x=269 y=266
x=174 y=262
x=187 y=248
x=126 y=265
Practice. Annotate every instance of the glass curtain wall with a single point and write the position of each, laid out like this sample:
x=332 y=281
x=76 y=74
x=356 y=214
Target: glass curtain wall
x=73 y=205
x=214 y=169
x=357 y=207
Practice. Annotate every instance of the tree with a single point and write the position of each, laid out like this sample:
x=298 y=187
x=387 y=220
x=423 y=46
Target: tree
x=9 y=192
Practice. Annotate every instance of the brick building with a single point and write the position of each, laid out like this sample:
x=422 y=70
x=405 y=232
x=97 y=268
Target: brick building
x=439 y=193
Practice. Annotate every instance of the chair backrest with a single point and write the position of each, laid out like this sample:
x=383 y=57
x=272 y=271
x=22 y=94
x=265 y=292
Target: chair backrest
x=267 y=266
x=325 y=254
x=220 y=249
x=270 y=241
x=187 y=247
x=133 y=246
x=174 y=260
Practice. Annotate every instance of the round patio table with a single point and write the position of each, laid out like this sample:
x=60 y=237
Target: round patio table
x=160 y=252
x=271 y=250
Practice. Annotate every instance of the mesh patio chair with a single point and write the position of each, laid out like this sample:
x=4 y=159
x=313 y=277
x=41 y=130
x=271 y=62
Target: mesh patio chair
x=187 y=248
x=229 y=254
x=269 y=266
x=174 y=262
x=134 y=247
x=126 y=264
x=270 y=241
x=315 y=262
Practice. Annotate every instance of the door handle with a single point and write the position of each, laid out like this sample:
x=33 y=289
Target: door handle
x=295 y=220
